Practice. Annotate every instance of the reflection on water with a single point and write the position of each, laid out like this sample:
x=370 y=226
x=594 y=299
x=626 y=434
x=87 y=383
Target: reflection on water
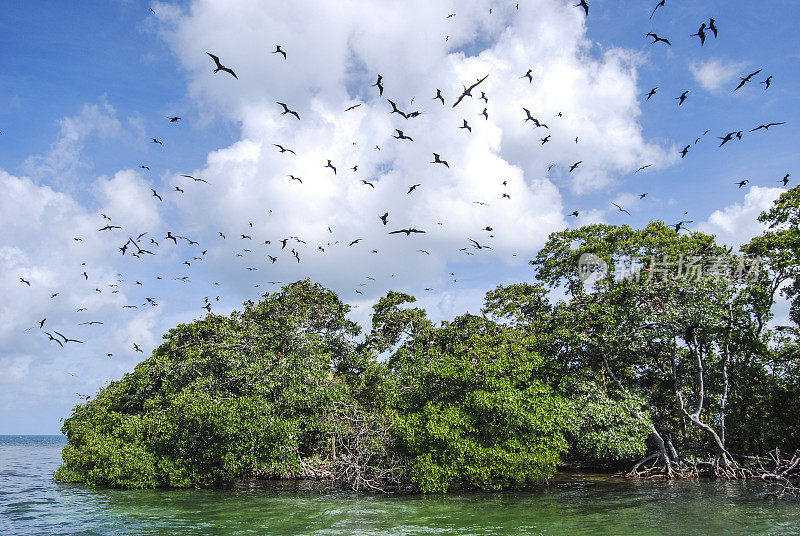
x=574 y=505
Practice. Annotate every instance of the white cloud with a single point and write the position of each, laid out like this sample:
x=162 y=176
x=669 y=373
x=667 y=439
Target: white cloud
x=65 y=157
x=736 y=224
x=713 y=74
x=335 y=51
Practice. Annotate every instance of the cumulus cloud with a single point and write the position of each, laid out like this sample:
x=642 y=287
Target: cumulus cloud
x=736 y=224
x=500 y=188
x=714 y=74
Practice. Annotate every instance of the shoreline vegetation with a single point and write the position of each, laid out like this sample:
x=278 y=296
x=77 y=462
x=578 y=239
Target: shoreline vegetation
x=667 y=371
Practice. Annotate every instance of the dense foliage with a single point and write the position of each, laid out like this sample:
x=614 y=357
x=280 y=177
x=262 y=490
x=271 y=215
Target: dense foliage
x=669 y=361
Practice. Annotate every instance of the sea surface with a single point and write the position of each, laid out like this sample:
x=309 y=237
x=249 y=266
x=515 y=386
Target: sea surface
x=572 y=505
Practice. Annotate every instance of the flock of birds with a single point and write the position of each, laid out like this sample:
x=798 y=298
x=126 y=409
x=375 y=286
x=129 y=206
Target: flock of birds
x=144 y=244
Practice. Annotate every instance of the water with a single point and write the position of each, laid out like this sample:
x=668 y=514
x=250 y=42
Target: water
x=576 y=505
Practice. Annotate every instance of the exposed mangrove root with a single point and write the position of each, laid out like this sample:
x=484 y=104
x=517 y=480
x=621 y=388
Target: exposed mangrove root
x=781 y=471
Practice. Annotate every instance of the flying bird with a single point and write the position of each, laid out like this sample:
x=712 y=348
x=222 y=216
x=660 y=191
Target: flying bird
x=278 y=50
x=766 y=127
x=682 y=97
x=684 y=151
x=529 y=76
x=742 y=182
x=728 y=137
x=329 y=165
x=353 y=107
x=156 y=141
x=379 y=85
x=468 y=90
x=746 y=79
x=584 y=5
x=466 y=126
x=439 y=96
x=660 y=4
x=712 y=25
x=438 y=160
x=401 y=136
x=621 y=209
x=412 y=188
x=283 y=149
x=652 y=92
x=575 y=165
x=406 y=231
x=701 y=33
x=286 y=110
x=194 y=179
x=221 y=67
x=767 y=82
x=656 y=39
x=384 y=218
x=174 y=119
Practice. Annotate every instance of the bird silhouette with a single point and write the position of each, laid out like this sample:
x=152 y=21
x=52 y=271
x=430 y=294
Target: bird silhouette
x=652 y=92
x=466 y=126
x=367 y=183
x=283 y=149
x=621 y=209
x=221 y=67
x=438 y=160
x=701 y=33
x=584 y=5
x=684 y=151
x=155 y=194
x=379 y=85
x=728 y=137
x=384 y=218
x=682 y=98
x=439 y=96
x=476 y=245
x=329 y=165
x=156 y=141
x=401 y=136
x=712 y=25
x=468 y=90
x=656 y=39
x=658 y=5
x=746 y=79
x=286 y=110
x=766 y=127
x=767 y=82
x=353 y=107
x=528 y=75
x=680 y=224
x=412 y=188
x=742 y=182
x=278 y=50
x=406 y=231
x=785 y=180
x=575 y=165
x=174 y=119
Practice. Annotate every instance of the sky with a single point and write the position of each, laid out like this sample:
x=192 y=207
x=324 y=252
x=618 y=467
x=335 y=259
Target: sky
x=86 y=98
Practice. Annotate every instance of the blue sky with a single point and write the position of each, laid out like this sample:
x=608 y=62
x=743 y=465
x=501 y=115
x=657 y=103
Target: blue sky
x=88 y=86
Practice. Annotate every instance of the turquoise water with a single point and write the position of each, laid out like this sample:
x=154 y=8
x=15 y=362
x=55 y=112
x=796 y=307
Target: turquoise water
x=32 y=504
